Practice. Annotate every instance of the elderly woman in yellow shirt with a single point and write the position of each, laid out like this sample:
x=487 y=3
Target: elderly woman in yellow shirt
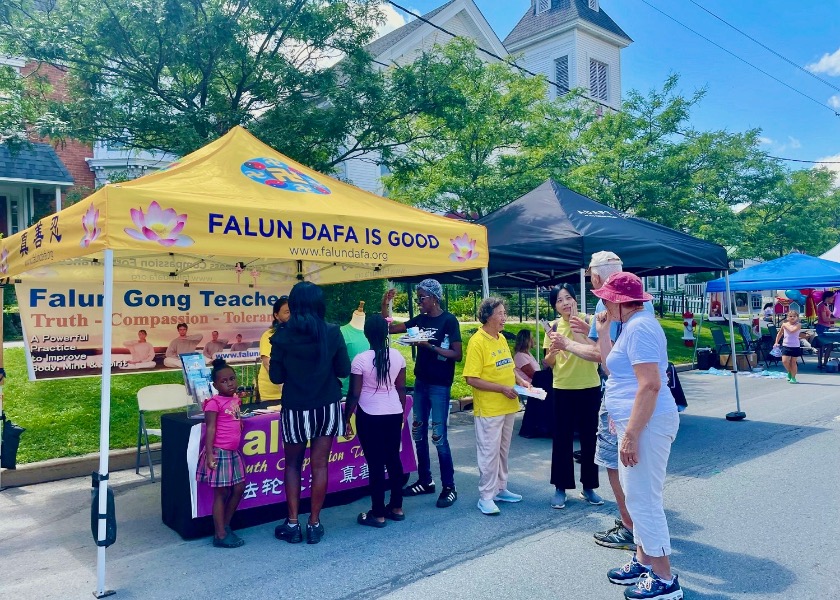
x=489 y=371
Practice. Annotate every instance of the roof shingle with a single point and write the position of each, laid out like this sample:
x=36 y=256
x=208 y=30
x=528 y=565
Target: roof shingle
x=562 y=11
x=380 y=45
x=33 y=162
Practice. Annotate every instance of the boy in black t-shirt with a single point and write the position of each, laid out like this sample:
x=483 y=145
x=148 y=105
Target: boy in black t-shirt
x=434 y=371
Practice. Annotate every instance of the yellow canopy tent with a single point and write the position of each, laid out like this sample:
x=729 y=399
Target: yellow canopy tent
x=235 y=206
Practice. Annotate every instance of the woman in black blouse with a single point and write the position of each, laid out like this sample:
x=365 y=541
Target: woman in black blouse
x=308 y=356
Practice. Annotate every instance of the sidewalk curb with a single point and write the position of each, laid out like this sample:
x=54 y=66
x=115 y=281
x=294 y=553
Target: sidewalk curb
x=120 y=460
x=70 y=467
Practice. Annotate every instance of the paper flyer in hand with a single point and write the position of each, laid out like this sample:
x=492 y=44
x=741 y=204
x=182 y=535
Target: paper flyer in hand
x=533 y=392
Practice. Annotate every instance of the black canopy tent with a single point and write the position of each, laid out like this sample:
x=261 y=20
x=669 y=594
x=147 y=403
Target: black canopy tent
x=549 y=234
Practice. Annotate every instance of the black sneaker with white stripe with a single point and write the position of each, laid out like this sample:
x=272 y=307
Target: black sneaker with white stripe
x=447 y=497
x=418 y=489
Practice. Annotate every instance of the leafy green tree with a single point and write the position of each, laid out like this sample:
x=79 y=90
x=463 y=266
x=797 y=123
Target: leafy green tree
x=801 y=213
x=648 y=161
x=24 y=109
x=486 y=135
x=175 y=75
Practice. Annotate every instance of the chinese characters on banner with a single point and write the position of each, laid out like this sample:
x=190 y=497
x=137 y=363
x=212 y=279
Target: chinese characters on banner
x=262 y=447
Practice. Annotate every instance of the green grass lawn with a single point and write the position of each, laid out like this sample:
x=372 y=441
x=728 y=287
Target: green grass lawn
x=62 y=416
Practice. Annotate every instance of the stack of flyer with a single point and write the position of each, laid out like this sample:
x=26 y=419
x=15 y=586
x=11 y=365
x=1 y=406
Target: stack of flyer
x=196 y=376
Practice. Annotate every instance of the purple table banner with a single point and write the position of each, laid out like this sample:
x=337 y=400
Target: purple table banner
x=262 y=447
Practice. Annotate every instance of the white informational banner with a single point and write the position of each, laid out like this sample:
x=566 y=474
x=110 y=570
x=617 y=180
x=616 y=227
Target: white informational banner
x=62 y=325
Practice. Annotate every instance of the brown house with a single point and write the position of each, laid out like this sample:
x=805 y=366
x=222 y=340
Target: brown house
x=35 y=179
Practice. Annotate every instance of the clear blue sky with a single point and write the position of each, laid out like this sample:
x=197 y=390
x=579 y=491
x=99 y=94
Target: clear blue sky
x=738 y=97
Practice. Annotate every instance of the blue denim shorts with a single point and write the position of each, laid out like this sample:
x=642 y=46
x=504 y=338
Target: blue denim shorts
x=606 y=444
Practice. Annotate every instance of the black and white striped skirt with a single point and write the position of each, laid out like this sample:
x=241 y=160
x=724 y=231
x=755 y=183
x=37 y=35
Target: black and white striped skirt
x=300 y=426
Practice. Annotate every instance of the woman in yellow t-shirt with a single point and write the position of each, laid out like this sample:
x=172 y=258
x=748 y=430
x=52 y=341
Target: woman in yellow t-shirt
x=577 y=399
x=281 y=314
x=489 y=371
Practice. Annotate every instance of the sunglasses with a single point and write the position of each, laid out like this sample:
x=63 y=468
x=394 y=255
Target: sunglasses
x=420 y=299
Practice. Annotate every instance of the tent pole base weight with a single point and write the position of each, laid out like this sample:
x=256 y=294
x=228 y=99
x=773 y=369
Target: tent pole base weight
x=736 y=416
x=105 y=593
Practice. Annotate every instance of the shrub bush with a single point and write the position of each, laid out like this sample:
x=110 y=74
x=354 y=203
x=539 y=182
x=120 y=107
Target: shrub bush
x=343 y=298
x=401 y=302
x=463 y=307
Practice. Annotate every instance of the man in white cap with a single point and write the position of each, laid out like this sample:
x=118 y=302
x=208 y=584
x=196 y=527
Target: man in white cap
x=601 y=266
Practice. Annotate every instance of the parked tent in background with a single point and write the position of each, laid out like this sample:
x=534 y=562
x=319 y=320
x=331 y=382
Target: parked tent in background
x=833 y=254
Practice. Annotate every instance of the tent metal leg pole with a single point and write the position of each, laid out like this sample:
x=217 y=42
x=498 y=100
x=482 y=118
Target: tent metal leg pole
x=738 y=415
x=105 y=421
x=2 y=381
x=537 y=318
x=582 y=308
x=485 y=283
x=703 y=308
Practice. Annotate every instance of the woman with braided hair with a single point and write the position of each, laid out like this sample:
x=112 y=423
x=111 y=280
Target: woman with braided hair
x=377 y=395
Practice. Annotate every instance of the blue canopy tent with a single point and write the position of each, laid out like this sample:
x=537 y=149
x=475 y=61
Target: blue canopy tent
x=791 y=272
x=794 y=271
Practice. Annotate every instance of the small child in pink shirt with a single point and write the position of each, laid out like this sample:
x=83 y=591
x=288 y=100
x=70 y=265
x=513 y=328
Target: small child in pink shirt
x=220 y=463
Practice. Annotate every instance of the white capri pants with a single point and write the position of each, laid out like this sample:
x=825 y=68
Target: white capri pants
x=644 y=483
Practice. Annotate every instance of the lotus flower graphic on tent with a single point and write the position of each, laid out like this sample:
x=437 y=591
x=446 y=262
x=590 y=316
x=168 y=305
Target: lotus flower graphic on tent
x=90 y=223
x=4 y=261
x=159 y=225
x=464 y=249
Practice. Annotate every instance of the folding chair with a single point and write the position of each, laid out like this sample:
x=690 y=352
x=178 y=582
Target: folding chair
x=167 y=396
x=720 y=342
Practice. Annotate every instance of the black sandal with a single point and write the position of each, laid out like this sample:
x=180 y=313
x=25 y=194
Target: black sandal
x=229 y=541
x=369 y=520
x=390 y=514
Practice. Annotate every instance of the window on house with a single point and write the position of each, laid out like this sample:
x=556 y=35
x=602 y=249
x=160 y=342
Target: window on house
x=651 y=283
x=542 y=6
x=340 y=171
x=672 y=282
x=598 y=80
x=116 y=145
x=593 y=4
x=561 y=74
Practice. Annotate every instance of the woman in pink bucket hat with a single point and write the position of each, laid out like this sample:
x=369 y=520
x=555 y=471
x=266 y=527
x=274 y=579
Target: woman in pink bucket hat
x=646 y=420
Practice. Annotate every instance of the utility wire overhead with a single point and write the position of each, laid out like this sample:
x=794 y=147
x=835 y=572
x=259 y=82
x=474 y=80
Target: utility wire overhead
x=595 y=100
x=812 y=162
x=769 y=49
x=507 y=61
x=743 y=60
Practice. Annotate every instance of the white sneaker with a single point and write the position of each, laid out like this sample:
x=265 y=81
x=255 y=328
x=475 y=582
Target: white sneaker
x=507 y=496
x=488 y=507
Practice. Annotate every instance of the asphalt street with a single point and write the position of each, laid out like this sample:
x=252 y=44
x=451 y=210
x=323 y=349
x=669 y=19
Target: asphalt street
x=754 y=511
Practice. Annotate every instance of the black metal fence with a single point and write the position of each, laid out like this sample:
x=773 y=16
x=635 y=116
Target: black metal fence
x=463 y=301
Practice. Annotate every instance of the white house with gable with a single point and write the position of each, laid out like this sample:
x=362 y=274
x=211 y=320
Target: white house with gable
x=575 y=44
x=572 y=42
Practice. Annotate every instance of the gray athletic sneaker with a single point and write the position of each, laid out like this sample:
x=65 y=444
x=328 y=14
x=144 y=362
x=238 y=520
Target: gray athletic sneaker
x=618 y=537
